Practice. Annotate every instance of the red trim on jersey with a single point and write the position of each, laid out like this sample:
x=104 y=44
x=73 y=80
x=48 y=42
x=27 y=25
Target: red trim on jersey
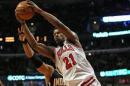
x=91 y=82
x=88 y=82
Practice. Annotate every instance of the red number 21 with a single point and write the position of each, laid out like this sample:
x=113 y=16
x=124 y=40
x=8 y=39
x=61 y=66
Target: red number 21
x=69 y=63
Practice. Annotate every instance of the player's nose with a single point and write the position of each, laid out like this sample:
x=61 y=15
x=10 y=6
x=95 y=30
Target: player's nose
x=57 y=35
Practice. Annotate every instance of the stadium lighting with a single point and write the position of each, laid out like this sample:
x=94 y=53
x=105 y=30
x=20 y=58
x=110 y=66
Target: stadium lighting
x=24 y=77
x=9 y=39
x=1 y=39
x=120 y=18
x=110 y=73
x=107 y=34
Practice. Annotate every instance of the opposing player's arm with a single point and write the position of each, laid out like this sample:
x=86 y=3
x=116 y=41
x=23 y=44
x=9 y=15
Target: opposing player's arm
x=28 y=51
x=40 y=48
x=71 y=36
x=40 y=66
x=45 y=50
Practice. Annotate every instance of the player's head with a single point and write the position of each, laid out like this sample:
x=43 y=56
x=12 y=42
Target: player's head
x=59 y=37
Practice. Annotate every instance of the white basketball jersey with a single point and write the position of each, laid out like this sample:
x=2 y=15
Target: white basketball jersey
x=72 y=63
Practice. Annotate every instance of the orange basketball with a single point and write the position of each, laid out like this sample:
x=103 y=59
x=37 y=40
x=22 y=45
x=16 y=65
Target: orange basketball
x=24 y=11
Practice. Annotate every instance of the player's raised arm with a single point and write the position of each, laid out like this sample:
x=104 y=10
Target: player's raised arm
x=28 y=51
x=41 y=67
x=40 y=48
x=71 y=36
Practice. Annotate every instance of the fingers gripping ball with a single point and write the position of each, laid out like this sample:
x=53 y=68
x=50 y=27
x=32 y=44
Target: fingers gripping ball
x=24 y=11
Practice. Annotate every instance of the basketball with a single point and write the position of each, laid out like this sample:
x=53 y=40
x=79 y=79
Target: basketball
x=24 y=11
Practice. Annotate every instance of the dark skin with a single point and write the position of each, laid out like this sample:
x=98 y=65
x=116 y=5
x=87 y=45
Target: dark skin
x=61 y=33
x=45 y=69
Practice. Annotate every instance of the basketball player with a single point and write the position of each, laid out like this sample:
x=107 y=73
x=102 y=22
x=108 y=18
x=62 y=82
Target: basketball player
x=69 y=56
x=53 y=78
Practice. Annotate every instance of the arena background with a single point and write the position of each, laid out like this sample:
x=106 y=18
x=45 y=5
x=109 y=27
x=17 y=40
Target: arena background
x=107 y=51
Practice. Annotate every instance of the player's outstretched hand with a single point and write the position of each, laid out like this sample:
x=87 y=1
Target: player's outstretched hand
x=21 y=35
x=34 y=6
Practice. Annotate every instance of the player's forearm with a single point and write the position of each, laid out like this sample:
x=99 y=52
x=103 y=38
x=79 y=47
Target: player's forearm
x=28 y=50
x=58 y=24
x=29 y=35
x=51 y=19
x=41 y=66
x=44 y=50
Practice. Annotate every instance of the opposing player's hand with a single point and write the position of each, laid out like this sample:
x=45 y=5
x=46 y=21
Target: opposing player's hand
x=21 y=35
x=34 y=6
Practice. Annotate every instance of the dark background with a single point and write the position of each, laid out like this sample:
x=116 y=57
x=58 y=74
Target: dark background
x=78 y=15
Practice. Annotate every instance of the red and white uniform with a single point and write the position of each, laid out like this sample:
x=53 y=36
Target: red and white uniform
x=73 y=65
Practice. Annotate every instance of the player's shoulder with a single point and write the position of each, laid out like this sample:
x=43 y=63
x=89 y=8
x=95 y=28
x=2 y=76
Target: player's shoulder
x=75 y=44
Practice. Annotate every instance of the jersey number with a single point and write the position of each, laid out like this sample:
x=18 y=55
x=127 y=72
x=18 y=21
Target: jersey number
x=69 y=63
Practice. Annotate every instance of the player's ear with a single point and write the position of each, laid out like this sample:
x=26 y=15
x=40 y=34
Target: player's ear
x=19 y=30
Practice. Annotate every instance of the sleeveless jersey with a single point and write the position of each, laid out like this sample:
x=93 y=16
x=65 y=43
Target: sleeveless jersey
x=72 y=63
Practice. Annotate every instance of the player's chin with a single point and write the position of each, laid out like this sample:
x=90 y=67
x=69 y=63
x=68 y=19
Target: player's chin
x=60 y=43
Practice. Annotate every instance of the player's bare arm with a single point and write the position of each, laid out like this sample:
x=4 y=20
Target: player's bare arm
x=45 y=69
x=28 y=51
x=71 y=36
x=40 y=48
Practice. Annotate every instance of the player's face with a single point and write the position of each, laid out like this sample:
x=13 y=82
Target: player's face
x=59 y=37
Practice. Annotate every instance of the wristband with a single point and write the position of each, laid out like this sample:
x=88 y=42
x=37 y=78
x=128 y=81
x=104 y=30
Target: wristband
x=24 y=42
x=36 y=61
